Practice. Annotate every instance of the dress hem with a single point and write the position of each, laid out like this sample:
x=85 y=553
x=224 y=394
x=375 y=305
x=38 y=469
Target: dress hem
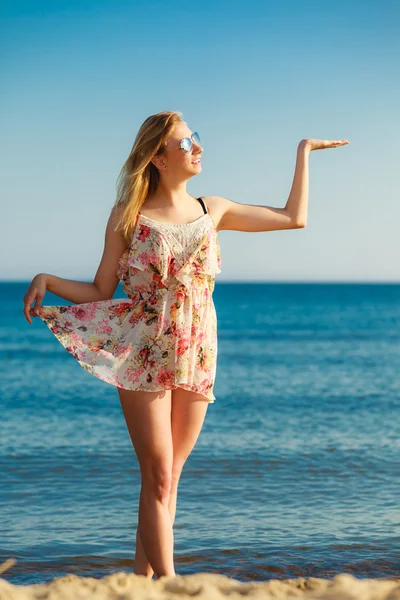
x=91 y=369
x=161 y=389
x=185 y=386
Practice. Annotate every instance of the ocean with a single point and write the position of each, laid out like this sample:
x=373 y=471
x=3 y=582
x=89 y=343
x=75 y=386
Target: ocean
x=296 y=471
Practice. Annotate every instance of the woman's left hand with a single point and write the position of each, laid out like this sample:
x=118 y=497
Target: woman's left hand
x=313 y=144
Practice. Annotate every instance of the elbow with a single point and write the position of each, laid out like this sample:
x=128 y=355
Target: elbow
x=107 y=295
x=104 y=294
x=299 y=224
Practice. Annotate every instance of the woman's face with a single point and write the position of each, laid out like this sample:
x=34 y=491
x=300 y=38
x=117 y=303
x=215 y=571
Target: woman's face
x=174 y=158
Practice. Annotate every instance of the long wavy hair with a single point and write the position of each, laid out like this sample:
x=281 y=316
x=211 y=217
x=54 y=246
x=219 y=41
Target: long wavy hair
x=139 y=177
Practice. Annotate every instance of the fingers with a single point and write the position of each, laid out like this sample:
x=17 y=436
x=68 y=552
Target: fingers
x=37 y=306
x=39 y=298
x=315 y=144
x=35 y=292
x=321 y=144
x=28 y=299
x=26 y=312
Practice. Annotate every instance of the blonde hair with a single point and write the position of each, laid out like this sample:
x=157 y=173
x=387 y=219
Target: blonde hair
x=139 y=177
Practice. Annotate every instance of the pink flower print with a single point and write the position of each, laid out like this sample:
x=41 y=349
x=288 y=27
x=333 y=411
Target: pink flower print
x=49 y=313
x=200 y=338
x=158 y=326
x=173 y=311
x=196 y=304
x=55 y=328
x=96 y=343
x=153 y=266
x=144 y=232
x=121 y=308
x=113 y=379
x=194 y=329
x=74 y=351
x=183 y=345
x=171 y=263
x=104 y=326
x=151 y=364
x=166 y=378
x=133 y=374
x=204 y=359
x=143 y=352
x=85 y=312
x=144 y=355
x=180 y=296
x=123 y=351
x=68 y=326
x=75 y=338
x=144 y=258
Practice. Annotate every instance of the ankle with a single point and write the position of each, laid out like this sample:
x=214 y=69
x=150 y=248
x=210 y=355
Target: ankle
x=146 y=572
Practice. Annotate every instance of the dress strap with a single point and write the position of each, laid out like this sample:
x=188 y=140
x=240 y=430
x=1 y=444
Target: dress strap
x=200 y=199
x=207 y=210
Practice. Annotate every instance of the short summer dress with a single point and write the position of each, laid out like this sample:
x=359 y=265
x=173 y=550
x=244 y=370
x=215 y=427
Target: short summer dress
x=164 y=335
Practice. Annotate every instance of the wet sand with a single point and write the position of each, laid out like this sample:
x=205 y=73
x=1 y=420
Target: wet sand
x=127 y=586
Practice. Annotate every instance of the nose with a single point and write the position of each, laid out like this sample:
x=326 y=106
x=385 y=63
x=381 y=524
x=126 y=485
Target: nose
x=197 y=148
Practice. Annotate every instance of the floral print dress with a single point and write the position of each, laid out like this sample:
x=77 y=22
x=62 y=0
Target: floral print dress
x=164 y=334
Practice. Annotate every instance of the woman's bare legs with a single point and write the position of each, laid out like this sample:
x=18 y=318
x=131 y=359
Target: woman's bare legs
x=187 y=417
x=148 y=418
x=187 y=413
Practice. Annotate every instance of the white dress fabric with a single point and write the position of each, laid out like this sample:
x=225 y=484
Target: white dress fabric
x=164 y=334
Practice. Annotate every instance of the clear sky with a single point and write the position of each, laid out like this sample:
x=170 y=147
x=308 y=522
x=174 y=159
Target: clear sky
x=253 y=78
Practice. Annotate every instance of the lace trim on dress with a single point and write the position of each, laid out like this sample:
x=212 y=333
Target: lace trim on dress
x=183 y=240
x=172 y=224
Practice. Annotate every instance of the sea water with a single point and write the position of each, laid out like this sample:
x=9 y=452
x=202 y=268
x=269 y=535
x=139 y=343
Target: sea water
x=296 y=470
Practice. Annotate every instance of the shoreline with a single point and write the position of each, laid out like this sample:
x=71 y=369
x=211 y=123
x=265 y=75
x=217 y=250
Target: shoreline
x=127 y=586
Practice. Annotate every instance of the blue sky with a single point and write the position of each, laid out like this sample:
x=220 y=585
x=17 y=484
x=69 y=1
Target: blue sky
x=253 y=78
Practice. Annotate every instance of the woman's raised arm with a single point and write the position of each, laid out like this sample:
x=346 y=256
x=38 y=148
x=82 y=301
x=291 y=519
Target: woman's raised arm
x=250 y=217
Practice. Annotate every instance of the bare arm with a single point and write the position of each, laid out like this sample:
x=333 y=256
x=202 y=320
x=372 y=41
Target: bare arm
x=248 y=217
x=79 y=292
x=297 y=204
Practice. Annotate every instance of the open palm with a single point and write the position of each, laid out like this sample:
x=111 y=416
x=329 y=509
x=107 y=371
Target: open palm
x=314 y=144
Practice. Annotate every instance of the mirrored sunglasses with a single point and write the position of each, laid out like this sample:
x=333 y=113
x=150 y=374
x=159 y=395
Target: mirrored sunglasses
x=187 y=143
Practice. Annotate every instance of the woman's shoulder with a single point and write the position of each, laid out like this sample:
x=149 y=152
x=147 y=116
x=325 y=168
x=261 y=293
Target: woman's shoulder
x=217 y=207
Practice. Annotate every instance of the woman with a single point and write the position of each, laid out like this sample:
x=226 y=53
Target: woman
x=159 y=346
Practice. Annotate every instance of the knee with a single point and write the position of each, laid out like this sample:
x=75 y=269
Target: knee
x=176 y=474
x=156 y=483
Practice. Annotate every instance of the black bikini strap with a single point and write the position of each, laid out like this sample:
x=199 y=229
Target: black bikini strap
x=202 y=203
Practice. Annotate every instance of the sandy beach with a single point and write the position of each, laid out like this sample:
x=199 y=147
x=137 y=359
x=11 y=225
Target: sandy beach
x=119 y=586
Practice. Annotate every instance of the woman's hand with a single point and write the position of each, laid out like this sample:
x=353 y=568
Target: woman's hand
x=312 y=144
x=36 y=291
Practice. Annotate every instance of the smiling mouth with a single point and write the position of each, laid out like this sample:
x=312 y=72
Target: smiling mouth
x=196 y=162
